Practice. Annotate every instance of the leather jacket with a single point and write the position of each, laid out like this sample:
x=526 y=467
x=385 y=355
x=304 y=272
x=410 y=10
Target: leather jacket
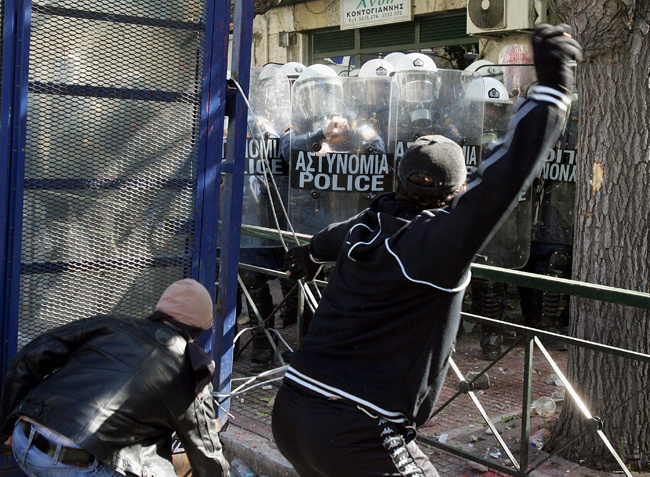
x=118 y=387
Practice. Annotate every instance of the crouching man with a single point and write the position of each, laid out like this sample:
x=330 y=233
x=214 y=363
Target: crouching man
x=103 y=395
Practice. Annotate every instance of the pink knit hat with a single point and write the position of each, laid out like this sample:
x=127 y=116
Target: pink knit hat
x=189 y=302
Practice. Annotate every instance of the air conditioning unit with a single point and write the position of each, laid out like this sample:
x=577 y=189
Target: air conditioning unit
x=496 y=17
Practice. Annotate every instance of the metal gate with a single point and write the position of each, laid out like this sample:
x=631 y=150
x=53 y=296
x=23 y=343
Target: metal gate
x=111 y=119
x=111 y=158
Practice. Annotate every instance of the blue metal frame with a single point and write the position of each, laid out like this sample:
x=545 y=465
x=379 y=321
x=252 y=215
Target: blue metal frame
x=213 y=107
x=219 y=101
x=6 y=98
x=222 y=346
x=13 y=115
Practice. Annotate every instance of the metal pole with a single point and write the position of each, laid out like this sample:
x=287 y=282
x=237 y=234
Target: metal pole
x=237 y=112
x=525 y=409
x=14 y=110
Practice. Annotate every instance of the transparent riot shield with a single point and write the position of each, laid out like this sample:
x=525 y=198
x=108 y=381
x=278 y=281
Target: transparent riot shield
x=510 y=246
x=433 y=102
x=337 y=143
x=266 y=179
x=554 y=190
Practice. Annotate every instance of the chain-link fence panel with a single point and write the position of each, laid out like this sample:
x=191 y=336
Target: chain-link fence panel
x=111 y=158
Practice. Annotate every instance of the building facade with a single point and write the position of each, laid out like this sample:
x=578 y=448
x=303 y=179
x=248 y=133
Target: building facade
x=319 y=31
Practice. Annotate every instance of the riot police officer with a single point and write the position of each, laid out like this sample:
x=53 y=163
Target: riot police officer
x=552 y=231
x=326 y=146
x=418 y=85
x=508 y=248
x=289 y=314
x=373 y=95
x=265 y=189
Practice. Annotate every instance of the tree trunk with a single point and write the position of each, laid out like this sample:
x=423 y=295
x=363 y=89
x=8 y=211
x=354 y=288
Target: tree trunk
x=612 y=229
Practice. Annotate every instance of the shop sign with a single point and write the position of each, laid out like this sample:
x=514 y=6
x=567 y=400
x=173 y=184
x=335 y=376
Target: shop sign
x=363 y=13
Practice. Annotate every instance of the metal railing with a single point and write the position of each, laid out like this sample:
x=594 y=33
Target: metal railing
x=529 y=338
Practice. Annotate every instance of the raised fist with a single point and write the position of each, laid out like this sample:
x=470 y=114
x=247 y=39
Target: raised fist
x=553 y=50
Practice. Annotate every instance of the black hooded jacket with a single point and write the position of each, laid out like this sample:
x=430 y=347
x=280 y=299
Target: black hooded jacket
x=386 y=325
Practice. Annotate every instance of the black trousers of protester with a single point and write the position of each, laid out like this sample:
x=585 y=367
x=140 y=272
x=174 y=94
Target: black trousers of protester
x=332 y=438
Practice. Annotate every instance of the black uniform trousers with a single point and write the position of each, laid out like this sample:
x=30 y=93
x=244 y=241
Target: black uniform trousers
x=334 y=438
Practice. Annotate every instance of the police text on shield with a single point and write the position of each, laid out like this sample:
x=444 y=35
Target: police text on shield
x=341 y=171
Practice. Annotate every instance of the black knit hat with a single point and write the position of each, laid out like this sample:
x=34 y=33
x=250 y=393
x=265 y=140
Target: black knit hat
x=437 y=157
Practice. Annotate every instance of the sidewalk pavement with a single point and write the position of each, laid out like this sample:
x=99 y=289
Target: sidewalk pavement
x=249 y=437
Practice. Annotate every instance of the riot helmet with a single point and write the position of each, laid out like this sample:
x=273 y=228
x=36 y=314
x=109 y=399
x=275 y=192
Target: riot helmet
x=317 y=95
x=292 y=69
x=317 y=70
x=376 y=68
x=486 y=68
x=418 y=84
x=376 y=83
x=491 y=97
x=394 y=57
x=487 y=89
x=415 y=61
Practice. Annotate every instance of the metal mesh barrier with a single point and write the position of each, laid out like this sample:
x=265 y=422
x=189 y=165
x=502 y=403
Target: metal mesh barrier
x=2 y=23
x=111 y=158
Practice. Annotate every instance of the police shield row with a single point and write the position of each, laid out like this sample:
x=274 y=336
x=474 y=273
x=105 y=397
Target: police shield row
x=322 y=146
x=329 y=144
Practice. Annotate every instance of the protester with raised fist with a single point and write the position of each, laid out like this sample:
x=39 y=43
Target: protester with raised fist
x=376 y=355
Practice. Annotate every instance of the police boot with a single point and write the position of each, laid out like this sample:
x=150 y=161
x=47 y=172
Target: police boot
x=550 y=307
x=558 y=265
x=491 y=346
x=289 y=314
x=262 y=354
x=490 y=296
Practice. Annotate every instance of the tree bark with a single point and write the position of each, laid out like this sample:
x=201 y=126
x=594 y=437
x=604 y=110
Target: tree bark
x=612 y=229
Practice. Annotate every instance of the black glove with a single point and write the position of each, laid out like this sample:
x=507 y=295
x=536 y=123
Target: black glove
x=553 y=49
x=299 y=263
